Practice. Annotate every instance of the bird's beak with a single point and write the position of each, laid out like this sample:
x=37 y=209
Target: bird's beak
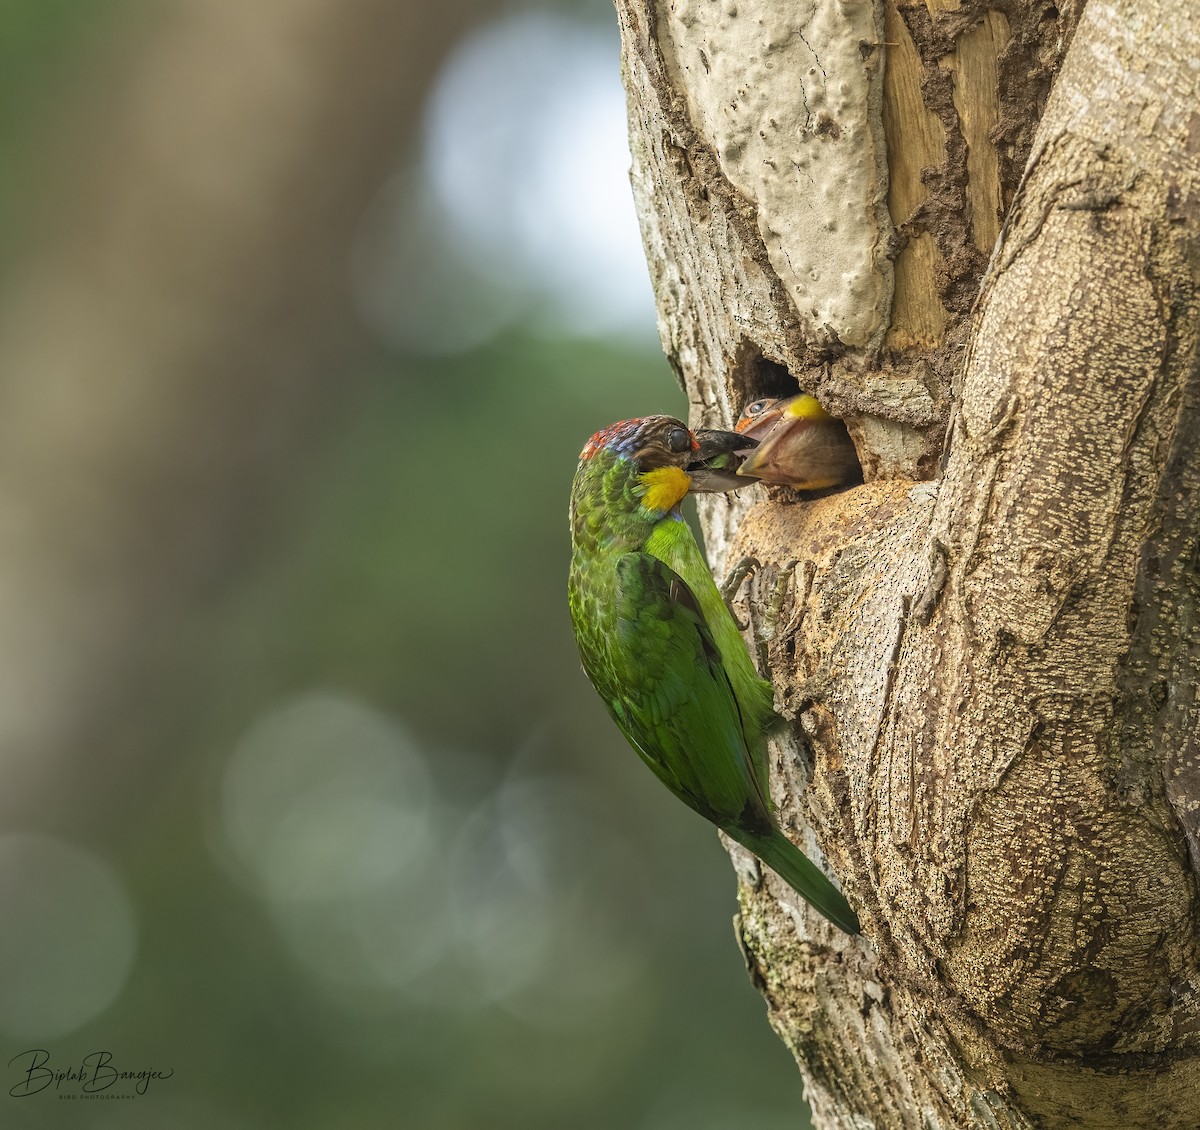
x=758 y=427
x=715 y=462
x=774 y=426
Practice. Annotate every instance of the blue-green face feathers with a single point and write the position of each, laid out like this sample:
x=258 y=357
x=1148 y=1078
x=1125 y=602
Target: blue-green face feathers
x=649 y=441
x=709 y=458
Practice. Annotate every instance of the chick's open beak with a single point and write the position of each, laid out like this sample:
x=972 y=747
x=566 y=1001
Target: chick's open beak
x=800 y=446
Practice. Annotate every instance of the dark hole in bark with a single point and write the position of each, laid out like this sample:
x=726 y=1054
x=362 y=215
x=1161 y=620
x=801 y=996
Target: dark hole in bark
x=756 y=377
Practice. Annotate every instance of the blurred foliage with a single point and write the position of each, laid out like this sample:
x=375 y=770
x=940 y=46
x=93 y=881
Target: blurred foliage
x=420 y=566
x=414 y=567
x=41 y=41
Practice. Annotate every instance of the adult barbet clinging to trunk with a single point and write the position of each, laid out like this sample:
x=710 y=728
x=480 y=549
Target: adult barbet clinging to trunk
x=662 y=649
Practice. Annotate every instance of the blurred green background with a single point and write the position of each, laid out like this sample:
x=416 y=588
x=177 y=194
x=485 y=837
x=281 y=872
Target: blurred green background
x=306 y=308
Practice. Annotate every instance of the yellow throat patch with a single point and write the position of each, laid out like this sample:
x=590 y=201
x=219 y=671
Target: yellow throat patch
x=665 y=487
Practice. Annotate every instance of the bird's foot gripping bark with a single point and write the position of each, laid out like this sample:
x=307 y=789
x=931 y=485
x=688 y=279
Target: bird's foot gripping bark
x=767 y=627
x=783 y=578
x=733 y=582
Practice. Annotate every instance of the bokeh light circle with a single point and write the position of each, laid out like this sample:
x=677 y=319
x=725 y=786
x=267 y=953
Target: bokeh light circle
x=69 y=937
x=325 y=797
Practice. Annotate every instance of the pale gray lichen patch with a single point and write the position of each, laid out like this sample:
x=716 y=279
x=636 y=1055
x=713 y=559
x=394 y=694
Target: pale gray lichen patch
x=800 y=136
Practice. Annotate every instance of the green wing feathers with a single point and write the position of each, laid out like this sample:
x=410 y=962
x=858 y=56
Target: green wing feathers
x=673 y=544
x=684 y=720
x=669 y=662
x=689 y=722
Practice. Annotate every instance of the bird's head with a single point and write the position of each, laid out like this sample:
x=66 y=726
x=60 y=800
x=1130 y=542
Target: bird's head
x=799 y=444
x=669 y=459
x=761 y=417
x=650 y=441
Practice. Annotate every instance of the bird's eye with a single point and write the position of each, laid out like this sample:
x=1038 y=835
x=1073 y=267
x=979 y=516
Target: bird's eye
x=678 y=440
x=756 y=409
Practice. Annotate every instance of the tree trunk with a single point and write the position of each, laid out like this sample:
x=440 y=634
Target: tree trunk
x=990 y=649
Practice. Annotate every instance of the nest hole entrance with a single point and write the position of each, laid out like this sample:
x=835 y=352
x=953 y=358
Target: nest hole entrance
x=756 y=377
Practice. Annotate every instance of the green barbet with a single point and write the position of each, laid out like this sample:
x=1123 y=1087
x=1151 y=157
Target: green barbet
x=662 y=649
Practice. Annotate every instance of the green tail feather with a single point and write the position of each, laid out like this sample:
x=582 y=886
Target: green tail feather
x=804 y=876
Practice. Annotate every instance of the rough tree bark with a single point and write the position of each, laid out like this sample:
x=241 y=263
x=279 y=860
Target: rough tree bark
x=972 y=231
